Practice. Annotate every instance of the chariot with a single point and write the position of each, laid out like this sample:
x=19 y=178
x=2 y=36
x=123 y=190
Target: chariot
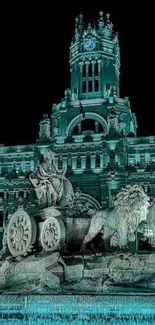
x=48 y=230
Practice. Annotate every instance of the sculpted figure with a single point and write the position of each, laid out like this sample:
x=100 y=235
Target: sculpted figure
x=51 y=186
x=147 y=227
x=120 y=223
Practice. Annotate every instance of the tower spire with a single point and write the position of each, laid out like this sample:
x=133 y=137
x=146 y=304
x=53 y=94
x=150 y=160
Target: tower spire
x=94 y=61
x=79 y=27
x=108 y=17
x=81 y=24
x=101 y=21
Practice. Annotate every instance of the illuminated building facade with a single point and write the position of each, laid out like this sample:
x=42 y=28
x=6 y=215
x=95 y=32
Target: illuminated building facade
x=92 y=131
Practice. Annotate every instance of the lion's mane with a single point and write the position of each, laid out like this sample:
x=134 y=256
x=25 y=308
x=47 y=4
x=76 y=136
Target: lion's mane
x=131 y=204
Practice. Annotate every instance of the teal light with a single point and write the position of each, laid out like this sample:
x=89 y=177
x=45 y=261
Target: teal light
x=112 y=145
x=77 y=310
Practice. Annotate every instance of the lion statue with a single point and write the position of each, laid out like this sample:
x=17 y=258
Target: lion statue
x=120 y=222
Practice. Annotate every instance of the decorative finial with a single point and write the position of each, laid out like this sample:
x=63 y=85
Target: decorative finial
x=89 y=29
x=101 y=21
x=76 y=20
x=81 y=24
x=115 y=39
x=76 y=23
x=101 y=14
x=45 y=116
x=81 y=16
x=108 y=18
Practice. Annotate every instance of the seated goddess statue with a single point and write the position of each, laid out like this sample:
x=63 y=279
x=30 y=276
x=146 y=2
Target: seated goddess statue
x=51 y=185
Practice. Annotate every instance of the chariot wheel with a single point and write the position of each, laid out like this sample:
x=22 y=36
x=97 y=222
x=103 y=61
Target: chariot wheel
x=21 y=233
x=53 y=234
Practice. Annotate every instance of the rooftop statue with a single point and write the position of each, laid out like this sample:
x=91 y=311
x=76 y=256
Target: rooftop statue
x=51 y=185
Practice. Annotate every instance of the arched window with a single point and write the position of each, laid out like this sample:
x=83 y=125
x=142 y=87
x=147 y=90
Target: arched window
x=89 y=125
x=90 y=72
x=84 y=71
x=92 y=121
x=90 y=77
x=96 y=69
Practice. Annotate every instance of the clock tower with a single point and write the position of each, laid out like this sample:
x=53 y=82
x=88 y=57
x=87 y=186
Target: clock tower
x=94 y=60
x=91 y=124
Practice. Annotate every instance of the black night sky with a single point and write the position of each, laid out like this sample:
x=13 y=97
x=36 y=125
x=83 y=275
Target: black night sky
x=42 y=35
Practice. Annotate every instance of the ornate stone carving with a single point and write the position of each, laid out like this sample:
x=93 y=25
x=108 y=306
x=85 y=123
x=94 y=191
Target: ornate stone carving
x=112 y=121
x=45 y=128
x=51 y=186
x=53 y=234
x=21 y=233
x=82 y=204
x=56 y=127
x=131 y=208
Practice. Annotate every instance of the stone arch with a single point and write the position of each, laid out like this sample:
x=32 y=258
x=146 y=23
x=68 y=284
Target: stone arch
x=89 y=115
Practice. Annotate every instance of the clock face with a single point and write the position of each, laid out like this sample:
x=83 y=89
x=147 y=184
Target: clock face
x=89 y=45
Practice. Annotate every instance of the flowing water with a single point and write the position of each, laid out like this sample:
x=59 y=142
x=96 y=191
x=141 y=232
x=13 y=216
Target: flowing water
x=77 y=309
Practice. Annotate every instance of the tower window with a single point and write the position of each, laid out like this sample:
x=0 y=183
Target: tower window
x=84 y=70
x=90 y=86
x=96 y=69
x=90 y=70
x=96 y=85
x=84 y=87
x=88 y=126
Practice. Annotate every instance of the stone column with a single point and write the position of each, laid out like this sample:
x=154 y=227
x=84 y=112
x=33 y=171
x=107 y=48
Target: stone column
x=25 y=194
x=17 y=194
x=74 y=162
x=103 y=195
x=23 y=166
x=10 y=202
x=64 y=162
x=32 y=165
x=79 y=128
x=101 y=161
x=87 y=76
x=96 y=127
x=145 y=188
x=83 y=162
x=105 y=159
x=93 y=161
x=93 y=75
x=99 y=75
x=5 y=195
x=81 y=64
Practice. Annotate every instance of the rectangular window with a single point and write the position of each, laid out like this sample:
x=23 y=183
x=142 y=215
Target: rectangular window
x=96 y=86
x=96 y=69
x=84 y=71
x=90 y=86
x=90 y=72
x=84 y=87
